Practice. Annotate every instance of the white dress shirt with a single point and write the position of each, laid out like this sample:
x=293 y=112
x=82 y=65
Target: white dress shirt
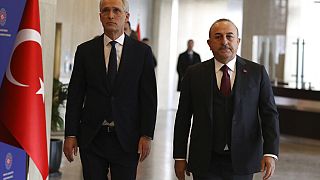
x=231 y=71
x=107 y=49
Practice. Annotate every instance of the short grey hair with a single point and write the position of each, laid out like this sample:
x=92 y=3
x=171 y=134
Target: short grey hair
x=124 y=2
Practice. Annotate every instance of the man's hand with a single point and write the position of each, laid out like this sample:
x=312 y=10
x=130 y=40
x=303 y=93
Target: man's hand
x=70 y=148
x=144 y=147
x=268 y=165
x=180 y=167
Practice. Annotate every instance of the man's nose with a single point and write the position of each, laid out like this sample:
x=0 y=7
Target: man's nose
x=110 y=14
x=224 y=40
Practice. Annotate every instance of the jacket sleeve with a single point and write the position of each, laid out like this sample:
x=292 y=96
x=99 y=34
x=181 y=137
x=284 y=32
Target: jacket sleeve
x=76 y=96
x=148 y=96
x=183 y=120
x=269 y=116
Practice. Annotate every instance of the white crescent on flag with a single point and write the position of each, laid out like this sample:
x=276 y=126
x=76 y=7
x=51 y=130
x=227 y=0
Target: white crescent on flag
x=22 y=36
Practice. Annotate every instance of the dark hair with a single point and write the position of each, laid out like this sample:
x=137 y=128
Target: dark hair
x=145 y=39
x=222 y=20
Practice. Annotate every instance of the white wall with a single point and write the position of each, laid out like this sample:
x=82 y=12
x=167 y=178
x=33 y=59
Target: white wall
x=162 y=33
x=141 y=11
x=196 y=17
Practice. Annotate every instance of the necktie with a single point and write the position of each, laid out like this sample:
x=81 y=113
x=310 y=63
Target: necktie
x=112 y=66
x=225 y=87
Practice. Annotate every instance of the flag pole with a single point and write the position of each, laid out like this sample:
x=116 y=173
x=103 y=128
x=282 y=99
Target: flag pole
x=27 y=166
x=138 y=20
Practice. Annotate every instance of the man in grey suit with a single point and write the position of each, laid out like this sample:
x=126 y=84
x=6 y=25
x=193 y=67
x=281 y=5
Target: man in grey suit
x=112 y=100
x=235 y=128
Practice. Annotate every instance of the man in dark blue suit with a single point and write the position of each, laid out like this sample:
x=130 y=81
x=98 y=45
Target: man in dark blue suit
x=186 y=59
x=235 y=128
x=112 y=100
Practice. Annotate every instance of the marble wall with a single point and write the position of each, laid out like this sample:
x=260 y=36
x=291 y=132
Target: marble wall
x=80 y=23
x=261 y=18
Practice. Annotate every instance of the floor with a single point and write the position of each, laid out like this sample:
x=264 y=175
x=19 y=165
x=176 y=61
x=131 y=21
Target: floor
x=299 y=157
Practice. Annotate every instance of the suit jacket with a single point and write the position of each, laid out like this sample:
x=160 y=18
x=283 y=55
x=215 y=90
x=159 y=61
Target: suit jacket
x=133 y=101
x=255 y=126
x=183 y=63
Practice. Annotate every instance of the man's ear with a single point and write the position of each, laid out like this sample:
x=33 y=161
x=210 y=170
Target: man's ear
x=127 y=16
x=100 y=16
x=208 y=42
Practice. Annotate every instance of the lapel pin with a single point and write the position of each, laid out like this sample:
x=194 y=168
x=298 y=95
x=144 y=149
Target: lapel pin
x=244 y=71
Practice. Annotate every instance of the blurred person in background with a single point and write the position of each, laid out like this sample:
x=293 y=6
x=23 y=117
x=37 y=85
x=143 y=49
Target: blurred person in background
x=186 y=59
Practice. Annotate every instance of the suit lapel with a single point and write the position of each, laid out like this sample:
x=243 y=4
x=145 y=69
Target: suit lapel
x=124 y=62
x=240 y=82
x=208 y=81
x=98 y=55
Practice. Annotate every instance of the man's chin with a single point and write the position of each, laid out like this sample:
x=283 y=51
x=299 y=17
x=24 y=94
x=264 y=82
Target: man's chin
x=111 y=29
x=226 y=55
x=224 y=59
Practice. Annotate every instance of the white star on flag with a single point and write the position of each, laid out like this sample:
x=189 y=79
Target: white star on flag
x=41 y=90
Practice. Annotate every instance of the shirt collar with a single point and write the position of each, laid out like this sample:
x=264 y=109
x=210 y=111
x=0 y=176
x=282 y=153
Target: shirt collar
x=120 y=39
x=231 y=64
x=190 y=52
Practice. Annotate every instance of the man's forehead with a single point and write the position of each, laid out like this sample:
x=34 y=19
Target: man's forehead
x=222 y=32
x=224 y=29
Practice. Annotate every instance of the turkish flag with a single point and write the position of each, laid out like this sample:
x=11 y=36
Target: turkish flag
x=22 y=111
x=138 y=32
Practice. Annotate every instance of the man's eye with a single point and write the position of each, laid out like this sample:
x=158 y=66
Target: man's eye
x=116 y=11
x=230 y=36
x=104 y=11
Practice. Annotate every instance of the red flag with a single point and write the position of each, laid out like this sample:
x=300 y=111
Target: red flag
x=22 y=110
x=138 y=32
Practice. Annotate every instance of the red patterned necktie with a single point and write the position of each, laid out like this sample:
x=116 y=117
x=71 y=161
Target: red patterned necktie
x=225 y=87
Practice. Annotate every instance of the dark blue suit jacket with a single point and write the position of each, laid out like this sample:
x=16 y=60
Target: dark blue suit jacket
x=134 y=99
x=184 y=62
x=255 y=126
